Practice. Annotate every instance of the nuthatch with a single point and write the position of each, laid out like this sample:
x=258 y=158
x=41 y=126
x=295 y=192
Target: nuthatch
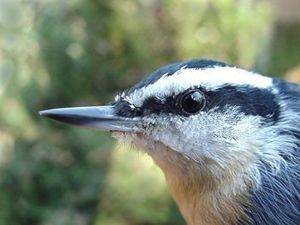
x=227 y=140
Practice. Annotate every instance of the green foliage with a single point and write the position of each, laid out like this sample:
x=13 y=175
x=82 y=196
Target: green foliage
x=143 y=177
x=285 y=49
x=70 y=53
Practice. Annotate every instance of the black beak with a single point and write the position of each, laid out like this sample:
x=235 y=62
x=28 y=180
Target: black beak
x=94 y=117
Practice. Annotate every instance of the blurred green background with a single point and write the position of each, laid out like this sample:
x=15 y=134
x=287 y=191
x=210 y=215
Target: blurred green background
x=58 y=53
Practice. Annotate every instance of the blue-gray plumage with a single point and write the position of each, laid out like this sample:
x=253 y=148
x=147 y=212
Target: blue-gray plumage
x=227 y=140
x=277 y=200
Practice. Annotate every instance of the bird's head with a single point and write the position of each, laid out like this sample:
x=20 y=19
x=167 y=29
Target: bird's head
x=205 y=111
x=197 y=119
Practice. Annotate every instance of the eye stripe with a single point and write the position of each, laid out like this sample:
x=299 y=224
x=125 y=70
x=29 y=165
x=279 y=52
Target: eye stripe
x=246 y=99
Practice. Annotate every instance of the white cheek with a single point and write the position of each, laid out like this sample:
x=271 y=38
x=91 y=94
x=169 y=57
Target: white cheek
x=176 y=133
x=206 y=134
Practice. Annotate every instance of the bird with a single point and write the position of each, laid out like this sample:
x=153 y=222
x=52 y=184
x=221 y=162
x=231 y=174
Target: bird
x=227 y=139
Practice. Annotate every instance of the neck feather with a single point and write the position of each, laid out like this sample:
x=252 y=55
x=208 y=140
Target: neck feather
x=201 y=198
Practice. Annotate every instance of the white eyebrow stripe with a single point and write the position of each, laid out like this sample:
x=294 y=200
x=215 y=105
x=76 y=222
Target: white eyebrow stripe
x=209 y=78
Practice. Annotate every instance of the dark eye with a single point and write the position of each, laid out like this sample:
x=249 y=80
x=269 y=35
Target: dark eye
x=191 y=101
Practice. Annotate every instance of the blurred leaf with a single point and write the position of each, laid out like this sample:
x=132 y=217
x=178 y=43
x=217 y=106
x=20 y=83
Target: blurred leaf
x=57 y=53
